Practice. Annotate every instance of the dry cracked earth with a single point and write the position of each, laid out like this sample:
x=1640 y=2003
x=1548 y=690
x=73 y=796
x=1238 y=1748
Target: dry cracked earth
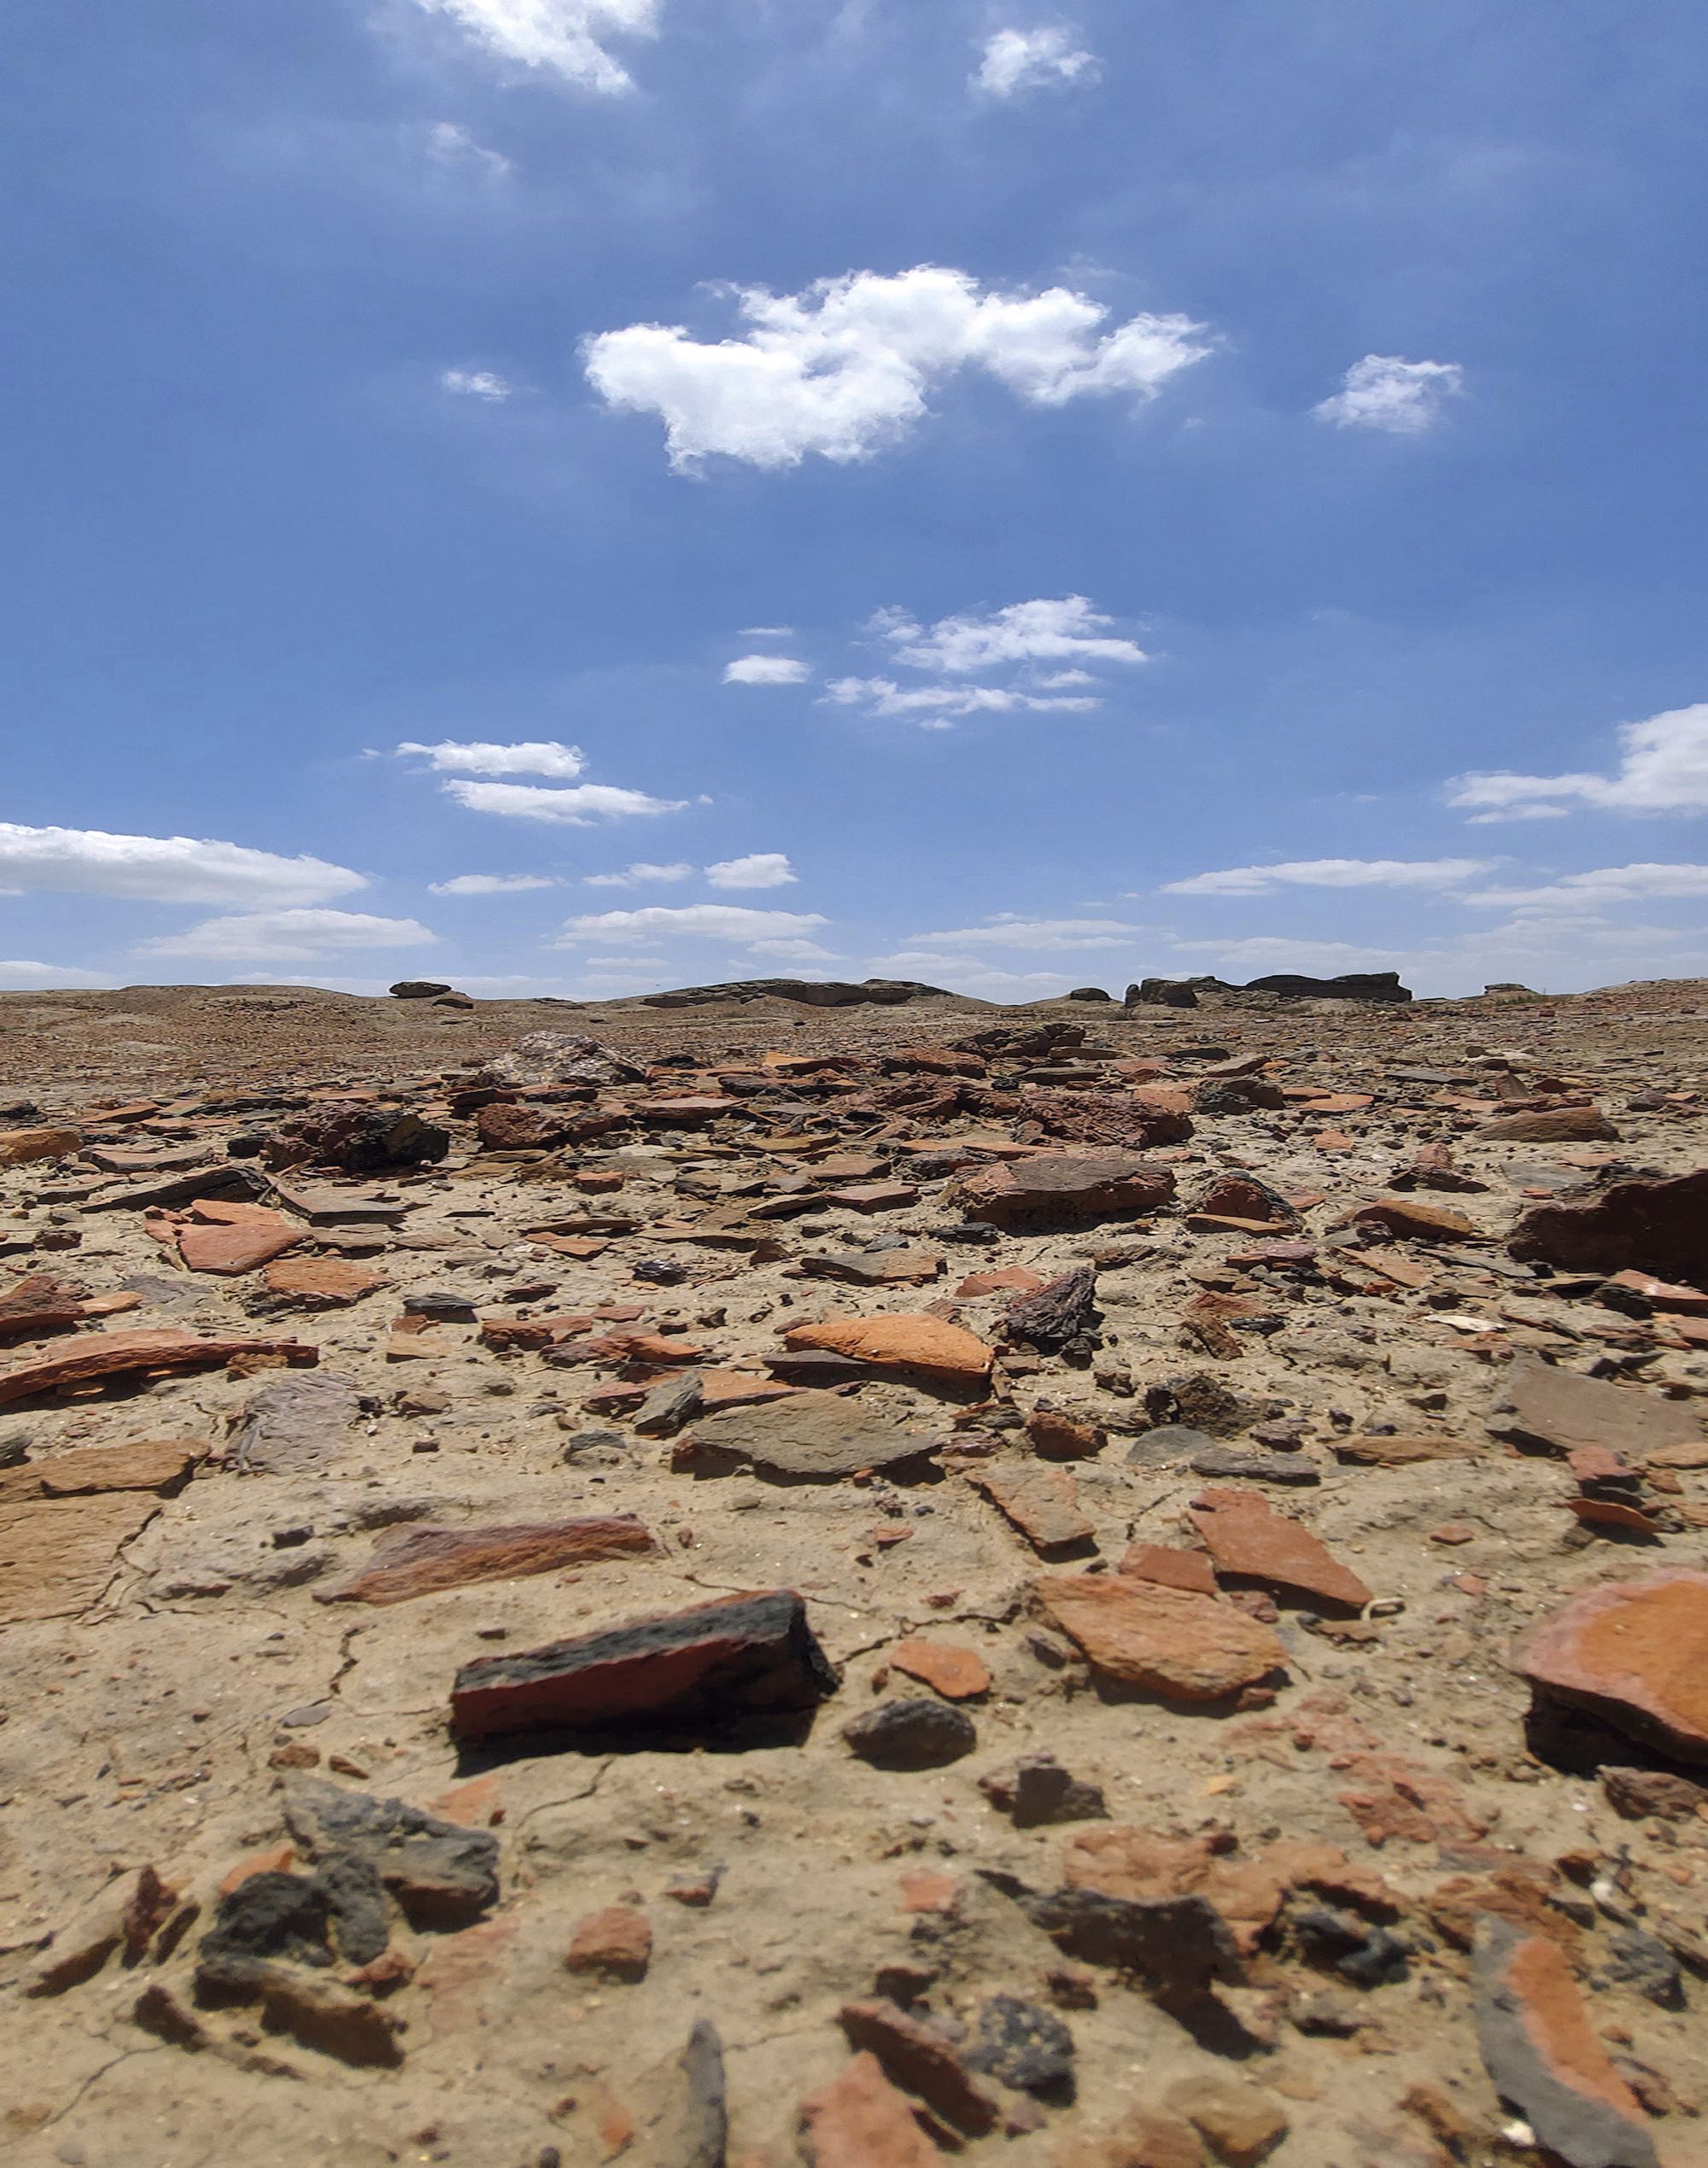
x=1091 y=1587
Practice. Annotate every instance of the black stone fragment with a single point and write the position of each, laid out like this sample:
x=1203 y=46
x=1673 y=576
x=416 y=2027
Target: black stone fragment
x=911 y=1735
x=1023 y=2047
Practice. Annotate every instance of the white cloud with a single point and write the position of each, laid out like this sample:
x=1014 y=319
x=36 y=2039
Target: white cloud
x=795 y=951
x=760 y=869
x=1602 y=884
x=291 y=937
x=449 y=144
x=575 y=809
x=1053 y=680
x=564 y=37
x=161 y=869
x=1382 y=392
x=842 y=368
x=491 y=884
x=631 y=876
x=766 y=669
x=703 y=921
x=625 y=963
x=1015 y=932
x=1333 y=873
x=534 y=758
x=1663 y=769
x=1029 y=60
x=765 y=631
x=972 y=975
x=935 y=706
x=1062 y=629
x=1266 y=952
x=478 y=383
x=17 y=976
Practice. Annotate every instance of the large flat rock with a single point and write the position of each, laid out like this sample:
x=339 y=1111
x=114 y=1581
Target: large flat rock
x=810 y=1434
x=1636 y=1653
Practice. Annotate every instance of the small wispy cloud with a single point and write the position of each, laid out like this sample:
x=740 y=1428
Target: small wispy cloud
x=1382 y=392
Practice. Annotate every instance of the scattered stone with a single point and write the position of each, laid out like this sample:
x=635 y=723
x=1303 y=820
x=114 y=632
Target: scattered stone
x=916 y=1346
x=859 y=2120
x=1058 y=1436
x=956 y=1672
x=1170 y=1569
x=1555 y=1411
x=1037 y=1791
x=911 y=1735
x=743 y=1655
x=159 y=1464
x=58 y=1555
x=233 y=1238
x=1242 y=2124
x=1633 y=1653
x=319 y=1282
x=21 y=1146
x=1169 y=1642
x=1042 y=1503
x=917 y=2056
x=98 y=1355
x=1557 y=1125
x=1254 y=1546
x=357 y=1137
x=1419 y=1222
x=615 y=1944
x=296 y=1426
x=818 y=1436
x=407 y=1563
x=1064 y=1189
x=1658 y=1226
x=1063 y=1309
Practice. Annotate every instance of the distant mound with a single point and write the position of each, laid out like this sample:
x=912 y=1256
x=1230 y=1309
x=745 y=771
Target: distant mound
x=812 y=993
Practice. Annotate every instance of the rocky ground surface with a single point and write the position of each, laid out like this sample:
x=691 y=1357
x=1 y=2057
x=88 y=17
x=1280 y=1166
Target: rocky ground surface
x=1099 y=1588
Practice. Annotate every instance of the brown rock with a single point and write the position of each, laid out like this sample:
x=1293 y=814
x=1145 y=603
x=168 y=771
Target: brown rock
x=1059 y=1437
x=19 y=1147
x=1122 y=1861
x=872 y=1196
x=233 y=1238
x=1169 y=1642
x=38 y=1306
x=917 y=2057
x=504 y=1126
x=56 y=1555
x=919 y=1346
x=956 y=1672
x=1015 y=1279
x=1634 y=1652
x=1555 y=1126
x=1141 y=2139
x=1253 y=1544
x=319 y=1282
x=1556 y=1410
x=1658 y=1226
x=1419 y=1223
x=740 y=1657
x=859 y=2120
x=420 y=1561
x=159 y=1464
x=1402 y=1451
x=1241 y=2123
x=118 y=1354
x=1043 y=1504
x=125 y=1914
x=1169 y=1568
x=1064 y=1188
x=1244 y=1197
x=816 y=1436
x=616 y=1944
x=1638 y=1793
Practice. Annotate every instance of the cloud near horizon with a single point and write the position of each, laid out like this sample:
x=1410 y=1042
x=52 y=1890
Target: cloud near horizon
x=1663 y=769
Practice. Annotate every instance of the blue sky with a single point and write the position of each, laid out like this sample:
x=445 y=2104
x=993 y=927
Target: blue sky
x=578 y=496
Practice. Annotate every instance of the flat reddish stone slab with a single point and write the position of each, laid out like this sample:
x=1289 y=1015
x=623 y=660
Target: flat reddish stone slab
x=1015 y=1279
x=56 y=1554
x=1658 y=1226
x=1664 y=1294
x=1545 y=2057
x=1169 y=1642
x=1635 y=1652
x=1043 y=1504
x=916 y=2055
x=615 y=1944
x=1250 y=1541
x=420 y=1561
x=148 y=1465
x=20 y=1147
x=320 y=1283
x=741 y=1656
x=927 y=1347
x=1422 y=1222
x=957 y=1674
x=115 y=1354
x=38 y=1306
x=1169 y=1568
x=1557 y=1125
x=872 y=1196
x=859 y=2120
x=234 y=1238
x=1065 y=1187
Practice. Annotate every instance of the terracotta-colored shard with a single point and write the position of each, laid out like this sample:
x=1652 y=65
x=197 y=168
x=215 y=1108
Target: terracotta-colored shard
x=56 y=1555
x=872 y=1196
x=319 y=1282
x=1074 y=1188
x=1636 y=1653
x=20 y=1147
x=1168 y=1568
x=1643 y=1225
x=1013 y=1279
x=957 y=1673
x=158 y=1464
x=38 y=1306
x=1170 y=1642
x=859 y=2120
x=616 y=1944
x=1043 y=1504
x=916 y=2055
x=1250 y=1541
x=1402 y=1451
x=118 y=1354
x=929 y=1347
x=230 y=1238
x=420 y=1561
x=1554 y=1125
x=1122 y=1861
x=1421 y=1222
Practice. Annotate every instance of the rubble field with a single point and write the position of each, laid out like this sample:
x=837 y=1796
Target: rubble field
x=742 y=1585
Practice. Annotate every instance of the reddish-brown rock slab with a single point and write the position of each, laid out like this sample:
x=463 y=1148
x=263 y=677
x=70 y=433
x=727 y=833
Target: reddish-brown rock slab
x=159 y=1464
x=743 y=1655
x=420 y=1561
x=927 y=1348
x=1658 y=1226
x=859 y=2120
x=1251 y=1543
x=1042 y=1503
x=1243 y=2123
x=919 y=2058
x=1064 y=1188
x=1546 y=2059
x=615 y=1944
x=1665 y=1295
x=1169 y=1567
x=1556 y=1410
x=38 y=1306
x=1170 y=1642
x=1636 y=1653
x=1015 y=1279
x=319 y=1282
x=1403 y=1452
x=57 y=1554
x=1421 y=1222
x=117 y=1354
x=1552 y=1126
x=230 y=1238
x=957 y=1673
x=20 y=1147
x=1120 y=1861
x=816 y=1437
x=1142 y=2139
x=872 y=1196
x=1060 y=1436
